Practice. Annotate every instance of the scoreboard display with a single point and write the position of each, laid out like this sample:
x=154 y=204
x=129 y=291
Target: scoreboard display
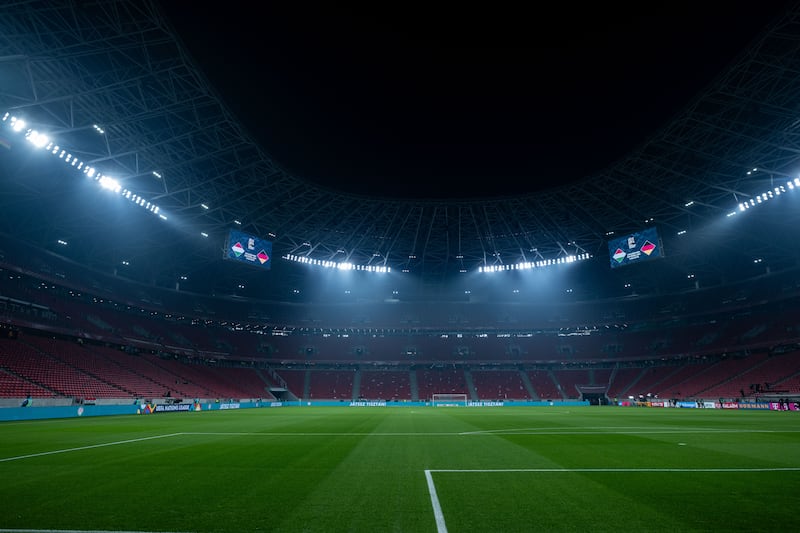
x=637 y=247
x=248 y=249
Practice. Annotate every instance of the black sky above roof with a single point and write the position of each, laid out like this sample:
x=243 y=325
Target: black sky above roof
x=460 y=102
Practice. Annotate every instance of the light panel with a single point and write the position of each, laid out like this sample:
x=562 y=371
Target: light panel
x=41 y=140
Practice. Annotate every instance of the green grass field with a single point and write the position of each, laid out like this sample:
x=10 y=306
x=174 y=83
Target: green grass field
x=393 y=469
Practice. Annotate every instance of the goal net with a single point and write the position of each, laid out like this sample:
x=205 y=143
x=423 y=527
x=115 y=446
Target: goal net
x=449 y=400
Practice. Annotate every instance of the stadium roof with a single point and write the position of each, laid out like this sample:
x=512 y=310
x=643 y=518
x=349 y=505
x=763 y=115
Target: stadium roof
x=479 y=101
x=115 y=87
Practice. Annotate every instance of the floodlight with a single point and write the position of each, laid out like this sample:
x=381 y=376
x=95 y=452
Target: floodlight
x=110 y=184
x=39 y=140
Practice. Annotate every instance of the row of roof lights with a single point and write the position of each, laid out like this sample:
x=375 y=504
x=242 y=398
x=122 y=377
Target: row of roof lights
x=40 y=140
x=531 y=265
x=339 y=265
x=344 y=265
x=769 y=195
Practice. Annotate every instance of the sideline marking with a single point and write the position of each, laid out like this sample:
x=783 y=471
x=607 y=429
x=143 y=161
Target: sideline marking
x=489 y=432
x=321 y=434
x=441 y=526
x=622 y=431
x=78 y=531
x=89 y=447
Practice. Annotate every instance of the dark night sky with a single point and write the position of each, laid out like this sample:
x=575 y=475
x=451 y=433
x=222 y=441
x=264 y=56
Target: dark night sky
x=458 y=102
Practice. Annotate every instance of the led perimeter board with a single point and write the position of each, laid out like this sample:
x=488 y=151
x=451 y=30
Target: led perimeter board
x=635 y=248
x=247 y=249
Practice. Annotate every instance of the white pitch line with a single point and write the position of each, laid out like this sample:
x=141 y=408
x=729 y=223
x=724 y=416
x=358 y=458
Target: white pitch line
x=441 y=527
x=566 y=431
x=492 y=470
x=322 y=434
x=523 y=431
x=551 y=428
x=89 y=447
x=78 y=531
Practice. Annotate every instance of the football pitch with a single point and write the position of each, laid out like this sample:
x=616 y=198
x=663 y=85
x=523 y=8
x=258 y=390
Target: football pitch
x=404 y=469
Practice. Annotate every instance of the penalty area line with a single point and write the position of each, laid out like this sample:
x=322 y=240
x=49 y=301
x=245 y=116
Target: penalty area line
x=534 y=470
x=441 y=526
x=79 y=448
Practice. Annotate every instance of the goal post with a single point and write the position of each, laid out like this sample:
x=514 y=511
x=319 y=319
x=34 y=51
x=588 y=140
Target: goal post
x=448 y=400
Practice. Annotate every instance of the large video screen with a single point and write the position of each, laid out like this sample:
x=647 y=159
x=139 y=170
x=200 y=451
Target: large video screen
x=635 y=248
x=248 y=249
